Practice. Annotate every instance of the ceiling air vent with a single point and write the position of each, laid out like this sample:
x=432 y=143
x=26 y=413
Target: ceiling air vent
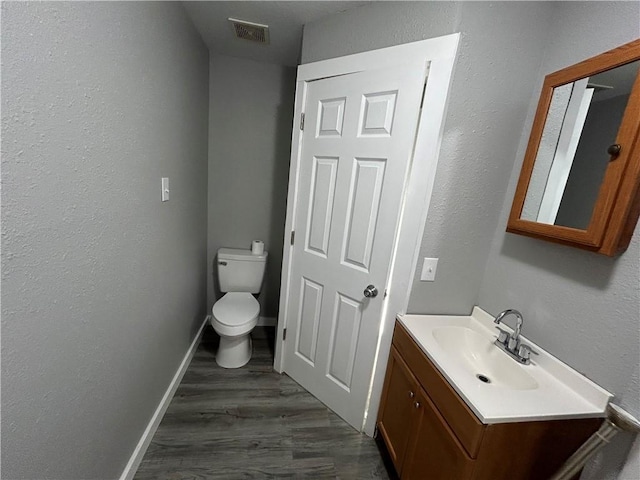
x=254 y=32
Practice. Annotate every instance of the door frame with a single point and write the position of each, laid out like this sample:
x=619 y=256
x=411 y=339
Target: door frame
x=440 y=52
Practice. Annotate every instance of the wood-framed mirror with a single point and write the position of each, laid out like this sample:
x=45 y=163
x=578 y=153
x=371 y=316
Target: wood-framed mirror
x=580 y=179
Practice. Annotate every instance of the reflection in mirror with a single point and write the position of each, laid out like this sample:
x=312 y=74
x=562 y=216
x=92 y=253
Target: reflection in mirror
x=582 y=122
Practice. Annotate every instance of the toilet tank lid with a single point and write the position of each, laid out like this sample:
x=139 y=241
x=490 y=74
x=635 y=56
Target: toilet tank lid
x=240 y=254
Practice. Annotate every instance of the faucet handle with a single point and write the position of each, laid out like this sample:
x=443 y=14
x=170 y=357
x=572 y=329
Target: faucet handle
x=526 y=348
x=503 y=336
x=524 y=352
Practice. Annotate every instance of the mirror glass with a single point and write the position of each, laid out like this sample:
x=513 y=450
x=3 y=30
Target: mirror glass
x=583 y=120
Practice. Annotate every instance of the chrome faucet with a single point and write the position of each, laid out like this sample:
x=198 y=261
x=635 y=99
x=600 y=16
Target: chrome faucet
x=511 y=343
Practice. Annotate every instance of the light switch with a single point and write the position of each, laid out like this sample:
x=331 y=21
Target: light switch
x=165 y=189
x=429 y=267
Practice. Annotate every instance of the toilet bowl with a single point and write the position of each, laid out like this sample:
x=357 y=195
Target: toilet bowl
x=233 y=318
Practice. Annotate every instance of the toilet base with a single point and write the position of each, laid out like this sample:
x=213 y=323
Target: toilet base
x=234 y=352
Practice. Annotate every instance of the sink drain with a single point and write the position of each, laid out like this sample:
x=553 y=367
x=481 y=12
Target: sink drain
x=483 y=378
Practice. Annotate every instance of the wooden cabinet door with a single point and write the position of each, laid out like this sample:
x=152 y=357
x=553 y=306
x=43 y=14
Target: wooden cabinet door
x=397 y=417
x=434 y=453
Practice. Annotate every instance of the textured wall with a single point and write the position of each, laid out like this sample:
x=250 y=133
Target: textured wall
x=580 y=306
x=498 y=60
x=250 y=119
x=103 y=286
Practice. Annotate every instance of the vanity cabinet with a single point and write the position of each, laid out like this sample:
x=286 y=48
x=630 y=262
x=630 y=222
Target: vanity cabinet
x=431 y=433
x=413 y=428
x=396 y=421
x=434 y=449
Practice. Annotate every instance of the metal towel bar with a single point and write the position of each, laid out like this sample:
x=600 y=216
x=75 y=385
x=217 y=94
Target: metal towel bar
x=617 y=419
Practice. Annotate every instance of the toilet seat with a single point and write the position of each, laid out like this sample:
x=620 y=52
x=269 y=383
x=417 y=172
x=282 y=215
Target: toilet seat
x=235 y=313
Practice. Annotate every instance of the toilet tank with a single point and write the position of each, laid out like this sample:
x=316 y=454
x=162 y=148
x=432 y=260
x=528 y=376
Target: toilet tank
x=240 y=270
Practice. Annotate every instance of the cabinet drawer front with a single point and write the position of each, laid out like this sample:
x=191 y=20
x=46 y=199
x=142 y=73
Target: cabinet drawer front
x=463 y=422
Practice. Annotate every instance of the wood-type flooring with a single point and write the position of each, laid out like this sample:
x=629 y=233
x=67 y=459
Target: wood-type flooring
x=252 y=422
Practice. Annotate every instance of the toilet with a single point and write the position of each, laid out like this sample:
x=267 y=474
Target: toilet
x=240 y=274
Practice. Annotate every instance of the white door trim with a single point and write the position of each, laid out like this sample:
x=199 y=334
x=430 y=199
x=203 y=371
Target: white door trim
x=441 y=53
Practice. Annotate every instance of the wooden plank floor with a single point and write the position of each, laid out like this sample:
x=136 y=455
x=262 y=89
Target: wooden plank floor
x=251 y=422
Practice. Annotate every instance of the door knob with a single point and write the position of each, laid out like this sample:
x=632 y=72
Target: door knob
x=614 y=150
x=371 y=291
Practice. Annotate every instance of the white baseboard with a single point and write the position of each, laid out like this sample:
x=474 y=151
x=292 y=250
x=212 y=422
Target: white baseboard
x=147 y=436
x=267 y=322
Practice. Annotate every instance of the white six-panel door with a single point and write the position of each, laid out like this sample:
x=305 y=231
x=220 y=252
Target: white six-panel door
x=357 y=145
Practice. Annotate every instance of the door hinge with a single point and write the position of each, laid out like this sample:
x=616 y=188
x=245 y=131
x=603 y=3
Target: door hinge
x=293 y=236
x=284 y=334
x=302 y=121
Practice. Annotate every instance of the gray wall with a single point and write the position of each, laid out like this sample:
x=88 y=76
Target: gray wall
x=582 y=307
x=499 y=57
x=250 y=119
x=103 y=286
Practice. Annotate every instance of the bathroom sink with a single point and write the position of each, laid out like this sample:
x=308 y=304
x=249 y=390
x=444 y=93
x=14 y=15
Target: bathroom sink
x=496 y=387
x=477 y=353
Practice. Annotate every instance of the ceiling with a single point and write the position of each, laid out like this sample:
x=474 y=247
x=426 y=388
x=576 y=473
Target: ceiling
x=285 y=20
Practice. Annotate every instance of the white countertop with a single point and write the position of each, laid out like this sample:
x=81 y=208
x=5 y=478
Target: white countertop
x=561 y=392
